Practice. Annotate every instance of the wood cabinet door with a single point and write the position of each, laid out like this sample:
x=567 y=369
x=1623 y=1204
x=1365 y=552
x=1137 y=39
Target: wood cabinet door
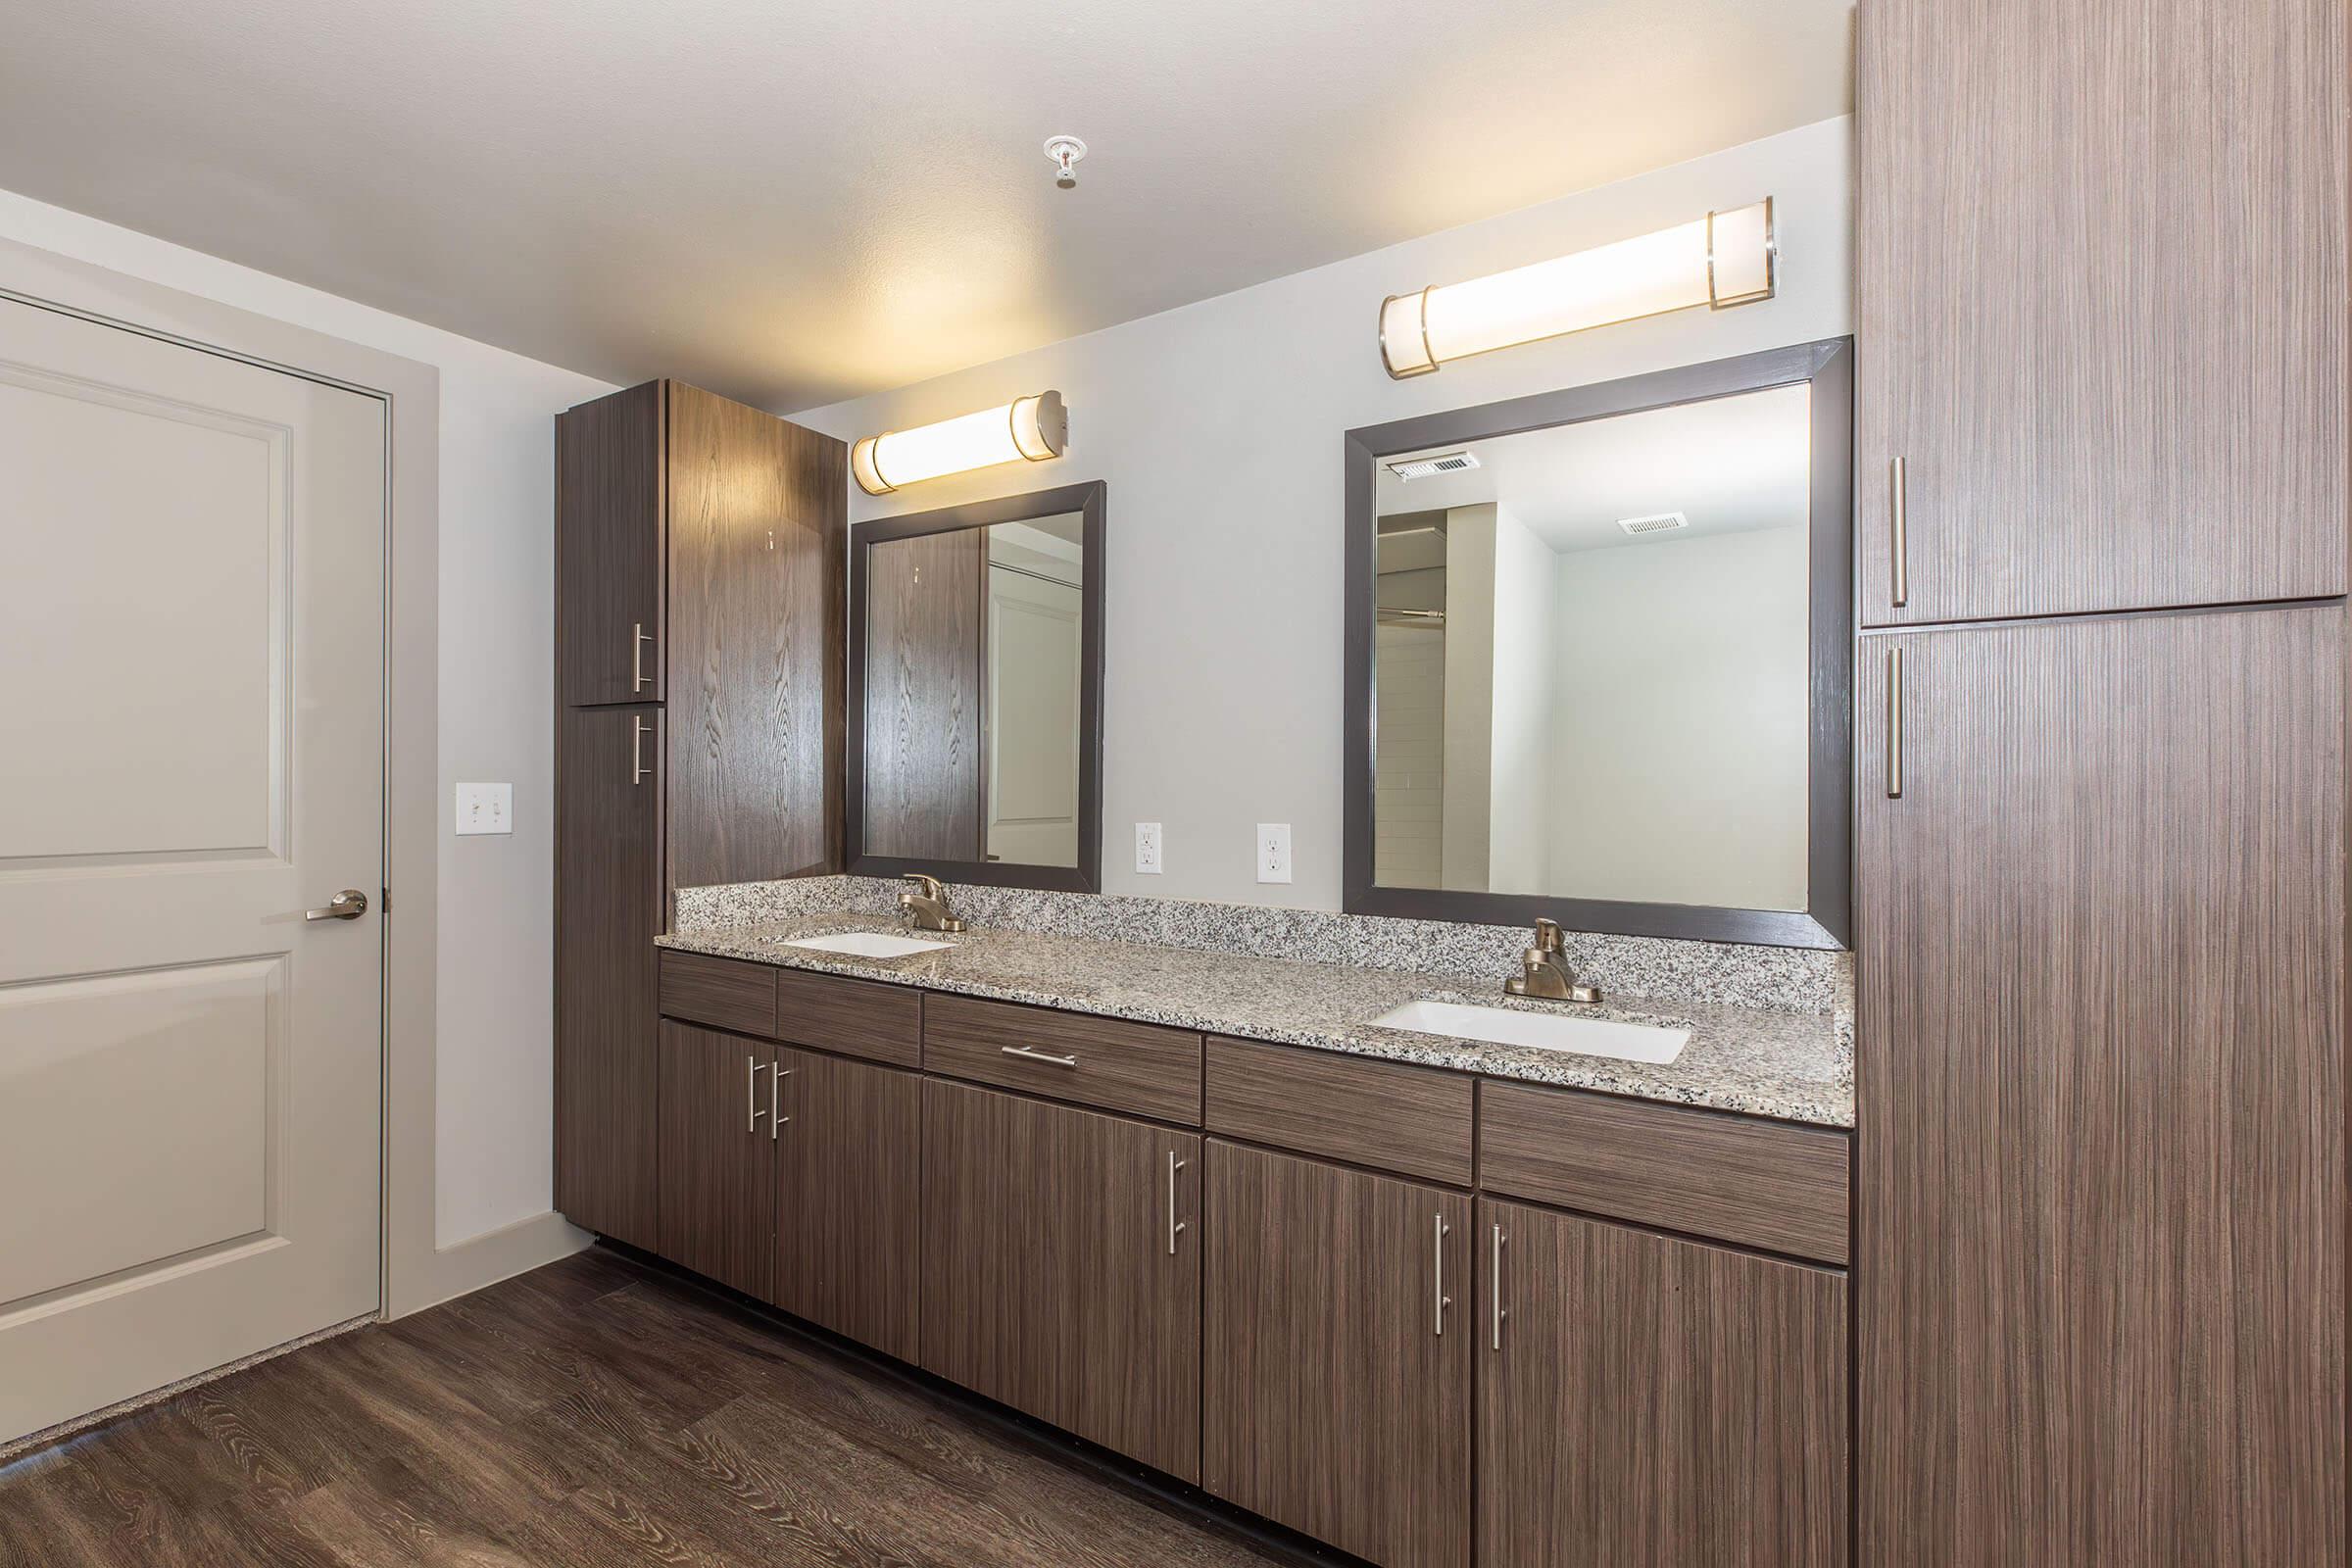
x=1048 y=1279
x=1336 y=1377
x=919 y=745
x=2100 y=1168
x=1651 y=1402
x=718 y=1158
x=611 y=556
x=849 y=1163
x=2101 y=304
x=609 y=909
x=758 y=519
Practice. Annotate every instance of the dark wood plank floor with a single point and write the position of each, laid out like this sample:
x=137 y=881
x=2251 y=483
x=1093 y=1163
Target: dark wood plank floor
x=593 y=1413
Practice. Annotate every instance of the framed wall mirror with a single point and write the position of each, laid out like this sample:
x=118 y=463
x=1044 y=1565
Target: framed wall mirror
x=975 y=715
x=1599 y=661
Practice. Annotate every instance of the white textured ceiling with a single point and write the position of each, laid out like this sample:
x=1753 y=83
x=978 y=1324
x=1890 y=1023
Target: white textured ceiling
x=798 y=202
x=1729 y=464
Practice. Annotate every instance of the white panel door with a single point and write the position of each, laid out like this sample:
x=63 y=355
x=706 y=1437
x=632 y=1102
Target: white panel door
x=1032 y=708
x=191 y=622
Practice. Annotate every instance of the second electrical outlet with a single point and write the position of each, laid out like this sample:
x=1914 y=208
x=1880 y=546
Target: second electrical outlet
x=1273 y=852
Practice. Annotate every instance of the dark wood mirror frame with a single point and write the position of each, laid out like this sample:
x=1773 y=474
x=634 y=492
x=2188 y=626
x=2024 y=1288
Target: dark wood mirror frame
x=1826 y=921
x=1086 y=875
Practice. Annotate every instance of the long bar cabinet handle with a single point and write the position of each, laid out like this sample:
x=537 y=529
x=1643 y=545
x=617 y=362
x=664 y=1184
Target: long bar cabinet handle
x=1442 y=1299
x=638 y=638
x=1175 y=1225
x=1894 y=724
x=638 y=771
x=751 y=1095
x=775 y=1093
x=1495 y=1292
x=1899 y=527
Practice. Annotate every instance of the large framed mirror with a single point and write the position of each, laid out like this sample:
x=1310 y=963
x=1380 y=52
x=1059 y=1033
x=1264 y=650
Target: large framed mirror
x=1599 y=658
x=975 y=716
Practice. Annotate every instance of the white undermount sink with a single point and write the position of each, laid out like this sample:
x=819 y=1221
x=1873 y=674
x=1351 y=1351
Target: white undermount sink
x=1542 y=1031
x=867 y=944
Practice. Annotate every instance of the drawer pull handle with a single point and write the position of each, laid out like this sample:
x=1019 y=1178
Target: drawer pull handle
x=1175 y=1225
x=1443 y=1301
x=1027 y=1055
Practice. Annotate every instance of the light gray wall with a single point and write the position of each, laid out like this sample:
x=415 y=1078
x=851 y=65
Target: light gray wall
x=1218 y=430
x=1519 y=784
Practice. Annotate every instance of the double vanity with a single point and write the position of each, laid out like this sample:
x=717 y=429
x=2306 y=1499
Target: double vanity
x=1396 y=1263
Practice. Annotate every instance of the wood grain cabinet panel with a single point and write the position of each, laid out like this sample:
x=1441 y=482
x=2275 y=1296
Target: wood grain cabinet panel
x=853 y=1017
x=1140 y=1068
x=2102 y=302
x=612 y=549
x=2101 y=1171
x=1413 y=1120
x=758 y=527
x=923 y=679
x=719 y=1158
x=1762 y=1184
x=1339 y=1328
x=849 y=1165
x=1649 y=1402
x=608 y=895
x=723 y=993
x=1061 y=1268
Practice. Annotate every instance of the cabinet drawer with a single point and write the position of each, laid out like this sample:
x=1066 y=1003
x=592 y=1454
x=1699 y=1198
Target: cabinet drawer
x=1415 y=1120
x=1142 y=1068
x=855 y=1017
x=723 y=993
x=1754 y=1183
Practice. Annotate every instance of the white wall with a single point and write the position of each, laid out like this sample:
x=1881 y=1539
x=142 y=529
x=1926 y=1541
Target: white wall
x=497 y=615
x=1466 y=813
x=1218 y=430
x=1519 y=810
x=1679 y=770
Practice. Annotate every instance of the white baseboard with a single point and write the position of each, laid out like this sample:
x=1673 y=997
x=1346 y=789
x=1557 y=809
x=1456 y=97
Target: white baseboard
x=466 y=1266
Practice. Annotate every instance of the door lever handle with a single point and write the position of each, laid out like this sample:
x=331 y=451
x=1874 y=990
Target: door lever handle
x=348 y=905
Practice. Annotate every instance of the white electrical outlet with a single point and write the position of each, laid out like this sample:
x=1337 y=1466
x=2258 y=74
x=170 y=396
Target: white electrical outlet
x=1147 y=848
x=485 y=808
x=1273 y=852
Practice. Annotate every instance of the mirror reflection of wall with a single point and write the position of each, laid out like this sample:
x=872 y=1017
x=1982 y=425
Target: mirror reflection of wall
x=973 y=661
x=1591 y=659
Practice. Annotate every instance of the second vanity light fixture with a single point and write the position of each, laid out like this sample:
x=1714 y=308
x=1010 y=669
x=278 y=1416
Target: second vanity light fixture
x=1720 y=260
x=1026 y=430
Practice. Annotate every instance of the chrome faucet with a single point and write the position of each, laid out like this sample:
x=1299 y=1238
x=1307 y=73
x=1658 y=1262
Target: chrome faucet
x=1544 y=970
x=927 y=910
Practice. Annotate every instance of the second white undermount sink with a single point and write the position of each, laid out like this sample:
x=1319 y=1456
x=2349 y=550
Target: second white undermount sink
x=867 y=944
x=1542 y=1031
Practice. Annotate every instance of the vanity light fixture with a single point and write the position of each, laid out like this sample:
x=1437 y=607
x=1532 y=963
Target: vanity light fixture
x=1720 y=260
x=1031 y=429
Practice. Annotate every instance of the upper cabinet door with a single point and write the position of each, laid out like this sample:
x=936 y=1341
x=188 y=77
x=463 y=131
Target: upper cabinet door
x=757 y=592
x=610 y=551
x=2102 y=302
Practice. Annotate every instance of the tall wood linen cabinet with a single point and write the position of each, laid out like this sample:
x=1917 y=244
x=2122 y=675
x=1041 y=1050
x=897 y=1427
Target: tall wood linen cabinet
x=2101 y=433
x=700 y=609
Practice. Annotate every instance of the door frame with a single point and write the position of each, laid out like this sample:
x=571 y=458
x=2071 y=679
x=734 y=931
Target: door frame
x=413 y=1271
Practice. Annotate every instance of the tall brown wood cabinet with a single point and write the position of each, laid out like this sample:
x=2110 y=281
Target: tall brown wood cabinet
x=698 y=682
x=2100 y=1165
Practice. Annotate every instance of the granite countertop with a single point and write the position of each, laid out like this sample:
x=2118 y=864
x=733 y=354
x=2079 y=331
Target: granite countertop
x=1797 y=1066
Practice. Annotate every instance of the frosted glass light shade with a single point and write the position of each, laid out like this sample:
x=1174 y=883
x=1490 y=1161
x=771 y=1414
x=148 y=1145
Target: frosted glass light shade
x=1720 y=260
x=1027 y=430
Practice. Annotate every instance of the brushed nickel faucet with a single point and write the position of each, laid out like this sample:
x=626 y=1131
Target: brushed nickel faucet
x=1544 y=970
x=927 y=910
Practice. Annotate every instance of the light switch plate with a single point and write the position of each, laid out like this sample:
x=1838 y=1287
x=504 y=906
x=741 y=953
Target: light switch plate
x=1147 y=848
x=485 y=808
x=1273 y=852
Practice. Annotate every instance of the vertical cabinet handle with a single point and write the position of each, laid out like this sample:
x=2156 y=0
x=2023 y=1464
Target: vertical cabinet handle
x=1443 y=1301
x=1175 y=1225
x=638 y=638
x=1494 y=1293
x=1899 y=530
x=1894 y=724
x=775 y=1093
x=638 y=771
x=751 y=1095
